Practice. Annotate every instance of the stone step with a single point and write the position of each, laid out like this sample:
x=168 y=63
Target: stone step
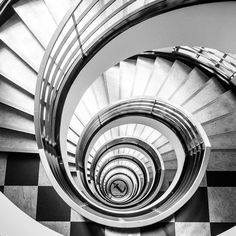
x=14 y=141
x=144 y=67
x=13 y=119
x=194 y=82
x=16 y=97
x=159 y=74
x=205 y=95
x=15 y=34
x=177 y=75
x=37 y=17
x=16 y=70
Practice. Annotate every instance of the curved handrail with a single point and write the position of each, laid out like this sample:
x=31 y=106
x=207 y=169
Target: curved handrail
x=71 y=47
x=222 y=64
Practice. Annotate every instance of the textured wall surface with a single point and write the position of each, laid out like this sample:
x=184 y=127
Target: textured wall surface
x=210 y=211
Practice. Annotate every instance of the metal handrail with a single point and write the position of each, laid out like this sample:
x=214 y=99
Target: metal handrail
x=173 y=117
x=58 y=71
x=220 y=63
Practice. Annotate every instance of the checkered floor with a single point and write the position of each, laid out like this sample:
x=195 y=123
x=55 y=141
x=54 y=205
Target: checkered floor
x=210 y=211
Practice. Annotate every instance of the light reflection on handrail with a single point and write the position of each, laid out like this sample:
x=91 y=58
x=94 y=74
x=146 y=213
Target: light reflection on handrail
x=67 y=53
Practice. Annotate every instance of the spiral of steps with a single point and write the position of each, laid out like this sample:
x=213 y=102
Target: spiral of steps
x=199 y=94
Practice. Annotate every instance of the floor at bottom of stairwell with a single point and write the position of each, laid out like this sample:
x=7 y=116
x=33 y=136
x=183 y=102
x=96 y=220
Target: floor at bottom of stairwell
x=210 y=211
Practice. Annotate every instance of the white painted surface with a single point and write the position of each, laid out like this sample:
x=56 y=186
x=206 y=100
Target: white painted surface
x=16 y=222
x=162 y=31
x=230 y=232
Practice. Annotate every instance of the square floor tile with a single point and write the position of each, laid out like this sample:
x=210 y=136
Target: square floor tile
x=22 y=169
x=160 y=229
x=222 y=204
x=86 y=229
x=50 y=207
x=192 y=229
x=3 y=166
x=60 y=227
x=110 y=231
x=221 y=178
x=24 y=197
x=218 y=228
x=76 y=217
x=196 y=209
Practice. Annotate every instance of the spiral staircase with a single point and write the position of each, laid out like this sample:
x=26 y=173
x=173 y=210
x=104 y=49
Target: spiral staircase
x=130 y=146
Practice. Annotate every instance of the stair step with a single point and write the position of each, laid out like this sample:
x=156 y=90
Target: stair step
x=59 y=8
x=161 y=141
x=13 y=96
x=177 y=75
x=15 y=70
x=71 y=160
x=76 y=125
x=160 y=72
x=194 y=82
x=71 y=148
x=72 y=168
x=11 y=118
x=169 y=156
x=127 y=75
x=222 y=160
x=90 y=101
x=222 y=105
x=208 y=93
x=223 y=141
x=35 y=14
x=225 y=124
x=165 y=148
x=13 y=141
x=112 y=77
x=72 y=136
x=171 y=164
x=17 y=36
x=100 y=92
x=144 y=67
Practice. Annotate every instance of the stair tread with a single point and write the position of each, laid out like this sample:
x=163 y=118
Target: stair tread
x=194 y=82
x=144 y=67
x=100 y=93
x=14 y=141
x=166 y=148
x=208 y=93
x=220 y=126
x=222 y=105
x=222 y=160
x=13 y=33
x=112 y=77
x=22 y=75
x=38 y=19
x=13 y=96
x=158 y=76
x=127 y=73
x=177 y=74
x=10 y=118
x=223 y=141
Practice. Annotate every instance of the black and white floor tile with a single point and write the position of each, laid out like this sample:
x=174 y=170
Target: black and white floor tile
x=211 y=210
